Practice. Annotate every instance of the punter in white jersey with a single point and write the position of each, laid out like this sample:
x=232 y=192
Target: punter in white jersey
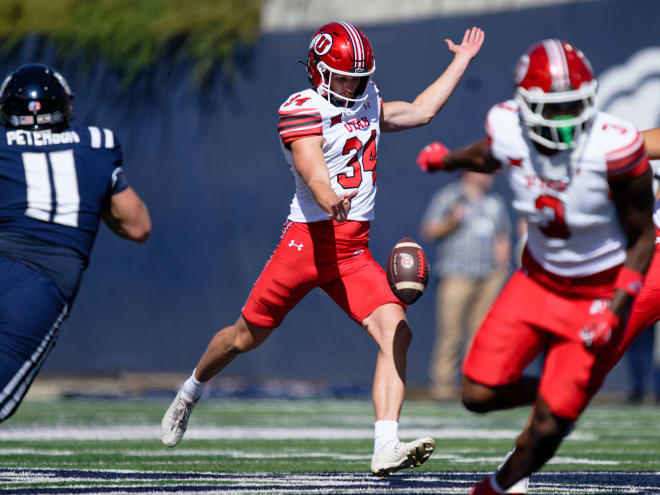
x=350 y=139
x=582 y=181
x=329 y=135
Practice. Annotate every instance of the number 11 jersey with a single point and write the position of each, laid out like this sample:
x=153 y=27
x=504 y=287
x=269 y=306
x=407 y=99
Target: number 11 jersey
x=54 y=185
x=54 y=188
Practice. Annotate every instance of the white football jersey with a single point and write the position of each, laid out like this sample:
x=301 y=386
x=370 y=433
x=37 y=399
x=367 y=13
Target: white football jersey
x=350 y=141
x=573 y=226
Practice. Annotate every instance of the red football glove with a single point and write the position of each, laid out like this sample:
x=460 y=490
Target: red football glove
x=599 y=329
x=431 y=158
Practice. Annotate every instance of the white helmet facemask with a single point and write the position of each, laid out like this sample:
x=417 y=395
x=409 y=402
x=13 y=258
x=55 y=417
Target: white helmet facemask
x=557 y=120
x=346 y=104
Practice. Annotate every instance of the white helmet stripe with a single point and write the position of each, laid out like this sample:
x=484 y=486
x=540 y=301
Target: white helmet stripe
x=558 y=65
x=356 y=41
x=358 y=47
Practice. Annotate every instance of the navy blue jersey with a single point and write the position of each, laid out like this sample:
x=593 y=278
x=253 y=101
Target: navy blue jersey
x=54 y=186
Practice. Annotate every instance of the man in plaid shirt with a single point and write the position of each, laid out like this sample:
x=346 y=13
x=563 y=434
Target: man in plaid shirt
x=472 y=263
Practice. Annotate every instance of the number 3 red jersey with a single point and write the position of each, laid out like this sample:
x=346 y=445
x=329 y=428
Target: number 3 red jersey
x=573 y=226
x=349 y=147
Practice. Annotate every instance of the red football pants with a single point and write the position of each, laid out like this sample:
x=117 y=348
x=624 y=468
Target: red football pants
x=526 y=319
x=332 y=256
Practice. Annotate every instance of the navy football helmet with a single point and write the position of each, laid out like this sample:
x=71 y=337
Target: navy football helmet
x=35 y=97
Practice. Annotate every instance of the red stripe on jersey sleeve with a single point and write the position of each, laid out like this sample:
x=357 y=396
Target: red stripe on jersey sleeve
x=629 y=161
x=291 y=136
x=299 y=123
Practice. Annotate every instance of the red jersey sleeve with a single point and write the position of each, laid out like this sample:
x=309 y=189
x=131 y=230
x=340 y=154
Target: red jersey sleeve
x=629 y=161
x=299 y=123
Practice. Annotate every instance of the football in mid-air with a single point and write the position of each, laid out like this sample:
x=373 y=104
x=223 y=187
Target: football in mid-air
x=407 y=270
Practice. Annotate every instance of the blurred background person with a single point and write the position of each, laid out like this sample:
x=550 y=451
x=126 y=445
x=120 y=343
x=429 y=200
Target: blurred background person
x=472 y=229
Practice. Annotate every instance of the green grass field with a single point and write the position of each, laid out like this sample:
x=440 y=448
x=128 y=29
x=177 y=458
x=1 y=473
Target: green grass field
x=305 y=446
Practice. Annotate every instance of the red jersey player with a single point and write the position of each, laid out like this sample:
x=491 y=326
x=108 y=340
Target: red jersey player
x=329 y=135
x=582 y=181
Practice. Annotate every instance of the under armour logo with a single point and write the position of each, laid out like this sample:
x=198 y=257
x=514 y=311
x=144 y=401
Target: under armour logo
x=293 y=243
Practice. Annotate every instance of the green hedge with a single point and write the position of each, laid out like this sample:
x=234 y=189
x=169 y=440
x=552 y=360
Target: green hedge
x=131 y=35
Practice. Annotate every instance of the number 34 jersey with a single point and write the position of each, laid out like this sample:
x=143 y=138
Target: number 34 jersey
x=54 y=185
x=573 y=225
x=349 y=147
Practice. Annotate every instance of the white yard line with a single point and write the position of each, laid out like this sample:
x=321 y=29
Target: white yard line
x=130 y=432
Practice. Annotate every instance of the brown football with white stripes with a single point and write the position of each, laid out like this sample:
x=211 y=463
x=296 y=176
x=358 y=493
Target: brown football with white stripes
x=407 y=270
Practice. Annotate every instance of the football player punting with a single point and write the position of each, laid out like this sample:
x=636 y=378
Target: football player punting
x=582 y=181
x=329 y=135
x=56 y=183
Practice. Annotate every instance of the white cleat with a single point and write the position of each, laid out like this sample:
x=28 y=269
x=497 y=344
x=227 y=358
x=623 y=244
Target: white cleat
x=396 y=455
x=175 y=421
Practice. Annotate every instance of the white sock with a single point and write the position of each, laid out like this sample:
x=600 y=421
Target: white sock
x=384 y=431
x=192 y=389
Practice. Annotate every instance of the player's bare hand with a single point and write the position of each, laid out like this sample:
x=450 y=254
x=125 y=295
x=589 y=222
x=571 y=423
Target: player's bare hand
x=341 y=206
x=598 y=331
x=471 y=44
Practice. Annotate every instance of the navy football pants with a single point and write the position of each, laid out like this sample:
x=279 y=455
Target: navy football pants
x=31 y=312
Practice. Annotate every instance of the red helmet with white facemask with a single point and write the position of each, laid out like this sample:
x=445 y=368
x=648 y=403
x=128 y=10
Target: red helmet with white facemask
x=555 y=88
x=340 y=48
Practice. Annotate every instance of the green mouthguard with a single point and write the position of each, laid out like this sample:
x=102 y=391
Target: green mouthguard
x=565 y=133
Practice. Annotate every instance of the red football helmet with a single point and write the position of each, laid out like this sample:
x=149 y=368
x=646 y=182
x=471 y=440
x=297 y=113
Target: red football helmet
x=340 y=48
x=555 y=87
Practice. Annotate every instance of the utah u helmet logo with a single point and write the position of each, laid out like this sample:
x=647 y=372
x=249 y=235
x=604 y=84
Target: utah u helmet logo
x=321 y=44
